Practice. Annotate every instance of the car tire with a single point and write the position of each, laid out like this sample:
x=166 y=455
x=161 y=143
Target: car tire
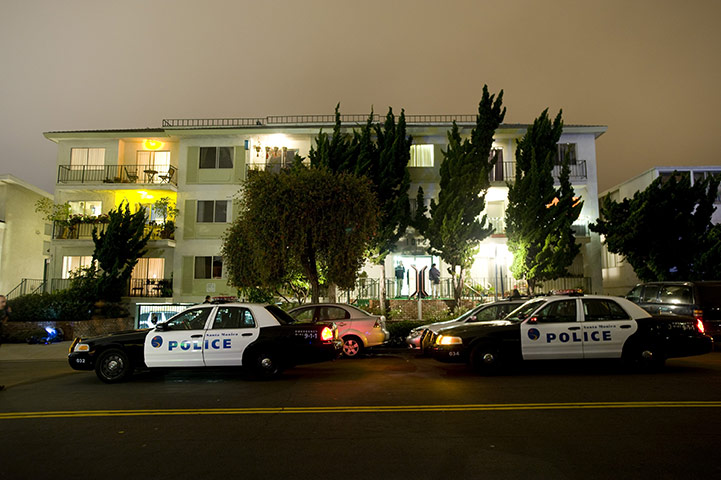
x=266 y=365
x=352 y=346
x=113 y=366
x=644 y=357
x=485 y=360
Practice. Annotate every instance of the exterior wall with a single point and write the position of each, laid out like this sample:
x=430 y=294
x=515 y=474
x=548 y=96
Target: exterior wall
x=23 y=234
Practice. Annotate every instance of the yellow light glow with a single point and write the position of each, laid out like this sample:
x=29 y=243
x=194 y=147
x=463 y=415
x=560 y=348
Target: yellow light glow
x=444 y=340
x=152 y=144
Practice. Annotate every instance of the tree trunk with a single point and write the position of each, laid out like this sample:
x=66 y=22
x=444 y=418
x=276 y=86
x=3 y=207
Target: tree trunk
x=332 y=293
x=458 y=283
x=383 y=288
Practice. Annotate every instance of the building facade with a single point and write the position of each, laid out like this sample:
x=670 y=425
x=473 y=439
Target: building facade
x=24 y=236
x=618 y=276
x=198 y=165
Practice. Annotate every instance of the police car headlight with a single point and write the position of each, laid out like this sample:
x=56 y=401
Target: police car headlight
x=82 y=347
x=447 y=340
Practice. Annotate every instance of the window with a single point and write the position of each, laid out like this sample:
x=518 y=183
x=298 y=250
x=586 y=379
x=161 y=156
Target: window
x=216 y=157
x=650 y=293
x=189 y=320
x=563 y=311
x=421 y=156
x=152 y=161
x=331 y=313
x=91 y=208
x=304 y=315
x=71 y=264
x=149 y=268
x=566 y=150
x=92 y=158
x=233 y=317
x=599 y=310
x=212 y=211
x=676 y=294
x=208 y=267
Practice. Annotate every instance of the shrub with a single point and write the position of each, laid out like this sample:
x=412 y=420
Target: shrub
x=64 y=305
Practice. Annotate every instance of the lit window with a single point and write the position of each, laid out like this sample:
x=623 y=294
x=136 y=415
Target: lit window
x=421 y=156
x=91 y=158
x=72 y=264
x=212 y=211
x=91 y=208
x=208 y=267
x=566 y=150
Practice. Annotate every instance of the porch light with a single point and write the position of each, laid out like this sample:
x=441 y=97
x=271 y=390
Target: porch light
x=152 y=144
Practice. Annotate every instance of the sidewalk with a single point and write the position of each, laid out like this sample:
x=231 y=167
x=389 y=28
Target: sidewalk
x=22 y=364
x=23 y=351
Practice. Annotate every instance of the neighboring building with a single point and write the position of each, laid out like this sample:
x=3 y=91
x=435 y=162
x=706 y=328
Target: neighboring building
x=618 y=276
x=199 y=165
x=24 y=236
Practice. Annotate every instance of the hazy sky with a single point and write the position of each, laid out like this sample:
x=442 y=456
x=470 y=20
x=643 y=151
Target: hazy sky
x=650 y=70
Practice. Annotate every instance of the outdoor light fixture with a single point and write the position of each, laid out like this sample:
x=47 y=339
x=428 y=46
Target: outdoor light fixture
x=152 y=144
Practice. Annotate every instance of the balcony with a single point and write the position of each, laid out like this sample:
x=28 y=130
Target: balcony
x=121 y=174
x=506 y=172
x=84 y=231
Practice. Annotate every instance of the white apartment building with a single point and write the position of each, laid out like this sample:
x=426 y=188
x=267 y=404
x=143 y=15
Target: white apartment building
x=200 y=163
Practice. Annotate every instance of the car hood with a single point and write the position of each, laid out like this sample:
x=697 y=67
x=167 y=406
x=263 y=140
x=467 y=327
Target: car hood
x=125 y=335
x=460 y=330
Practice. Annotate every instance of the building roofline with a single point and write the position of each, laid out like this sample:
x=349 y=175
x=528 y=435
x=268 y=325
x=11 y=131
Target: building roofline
x=657 y=169
x=13 y=180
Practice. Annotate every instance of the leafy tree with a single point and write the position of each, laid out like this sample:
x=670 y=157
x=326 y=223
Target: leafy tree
x=454 y=230
x=665 y=231
x=539 y=216
x=117 y=250
x=311 y=221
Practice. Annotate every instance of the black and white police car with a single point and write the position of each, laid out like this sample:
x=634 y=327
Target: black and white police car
x=261 y=337
x=572 y=327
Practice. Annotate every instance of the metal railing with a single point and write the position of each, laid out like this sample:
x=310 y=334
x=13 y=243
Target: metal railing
x=26 y=287
x=142 y=174
x=84 y=231
x=148 y=287
x=506 y=171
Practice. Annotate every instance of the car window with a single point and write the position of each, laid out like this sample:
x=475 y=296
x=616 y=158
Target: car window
x=678 y=294
x=488 y=313
x=562 y=311
x=650 y=293
x=189 y=319
x=303 y=315
x=522 y=312
x=233 y=317
x=280 y=315
x=332 y=313
x=599 y=310
x=635 y=294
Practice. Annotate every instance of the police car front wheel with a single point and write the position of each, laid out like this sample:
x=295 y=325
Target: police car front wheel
x=485 y=360
x=113 y=366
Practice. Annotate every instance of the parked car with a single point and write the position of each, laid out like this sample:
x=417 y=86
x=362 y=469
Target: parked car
x=572 y=327
x=150 y=319
x=357 y=328
x=262 y=338
x=419 y=337
x=701 y=300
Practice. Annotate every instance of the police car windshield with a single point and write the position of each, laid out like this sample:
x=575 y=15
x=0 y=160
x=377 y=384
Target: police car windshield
x=280 y=315
x=522 y=312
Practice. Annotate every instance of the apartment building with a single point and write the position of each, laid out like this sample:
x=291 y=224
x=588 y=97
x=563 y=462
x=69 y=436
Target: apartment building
x=24 y=236
x=618 y=276
x=198 y=164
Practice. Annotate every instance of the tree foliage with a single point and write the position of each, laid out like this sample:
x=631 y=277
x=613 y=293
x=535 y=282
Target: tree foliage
x=665 y=231
x=539 y=216
x=117 y=250
x=454 y=229
x=308 y=221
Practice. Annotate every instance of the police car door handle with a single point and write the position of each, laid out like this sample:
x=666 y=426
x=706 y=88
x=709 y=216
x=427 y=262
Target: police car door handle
x=246 y=335
x=625 y=326
x=574 y=328
x=196 y=336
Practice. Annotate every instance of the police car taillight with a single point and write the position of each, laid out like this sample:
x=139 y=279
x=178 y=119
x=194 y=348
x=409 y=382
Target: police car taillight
x=326 y=334
x=698 y=315
x=700 y=327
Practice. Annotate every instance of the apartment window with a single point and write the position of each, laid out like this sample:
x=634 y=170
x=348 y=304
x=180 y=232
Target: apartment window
x=152 y=160
x=92 y=158
x=208 y=267
x=421 y=156
x=149 y=268
x=216 y=157
x=91 y=208
x=71 y=264
x=213 y=211
x=566 y=150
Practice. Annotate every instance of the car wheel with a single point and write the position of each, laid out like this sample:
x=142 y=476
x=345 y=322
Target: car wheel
x=266 y=365
x=352 y=347
x=485 y=360
x=645 y=357
x=113 y=366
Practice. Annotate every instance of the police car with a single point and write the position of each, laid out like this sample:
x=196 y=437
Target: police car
x=261 y=337
x=572 y=327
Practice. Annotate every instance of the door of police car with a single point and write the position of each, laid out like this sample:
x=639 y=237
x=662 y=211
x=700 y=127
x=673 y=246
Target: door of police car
x=231 y=331
x=606 y=328
x=553 y=332
x=179 y=341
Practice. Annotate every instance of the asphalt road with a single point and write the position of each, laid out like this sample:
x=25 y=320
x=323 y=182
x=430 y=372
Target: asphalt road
x=387 y=415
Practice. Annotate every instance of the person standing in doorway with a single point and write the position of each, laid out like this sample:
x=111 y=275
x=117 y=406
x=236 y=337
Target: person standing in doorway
x=400 y=273
x=434 y=275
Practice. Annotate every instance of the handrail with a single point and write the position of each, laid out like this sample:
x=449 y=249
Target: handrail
x=125 y=173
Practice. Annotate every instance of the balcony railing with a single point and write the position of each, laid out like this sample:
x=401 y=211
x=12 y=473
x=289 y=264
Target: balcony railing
x=312 y=120
x=136 y=174
x=84 y=231
x=506 y=172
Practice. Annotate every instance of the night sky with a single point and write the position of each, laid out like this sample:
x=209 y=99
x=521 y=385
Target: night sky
x=649 y=70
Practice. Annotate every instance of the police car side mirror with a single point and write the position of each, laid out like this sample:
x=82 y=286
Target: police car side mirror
x=161 y=327
x=532 y=321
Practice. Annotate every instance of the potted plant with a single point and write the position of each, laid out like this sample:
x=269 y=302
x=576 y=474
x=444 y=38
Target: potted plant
x=166 y=208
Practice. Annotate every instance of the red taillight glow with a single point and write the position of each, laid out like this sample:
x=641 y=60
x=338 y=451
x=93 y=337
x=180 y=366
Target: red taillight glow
x=326 y=334
x=698 y=315
x=700 y=327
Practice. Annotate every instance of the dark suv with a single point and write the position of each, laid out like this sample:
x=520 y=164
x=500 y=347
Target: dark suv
x=701 y=300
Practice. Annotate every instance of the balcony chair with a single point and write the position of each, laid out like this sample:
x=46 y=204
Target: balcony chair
x=132 y=177
x=168 y=177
